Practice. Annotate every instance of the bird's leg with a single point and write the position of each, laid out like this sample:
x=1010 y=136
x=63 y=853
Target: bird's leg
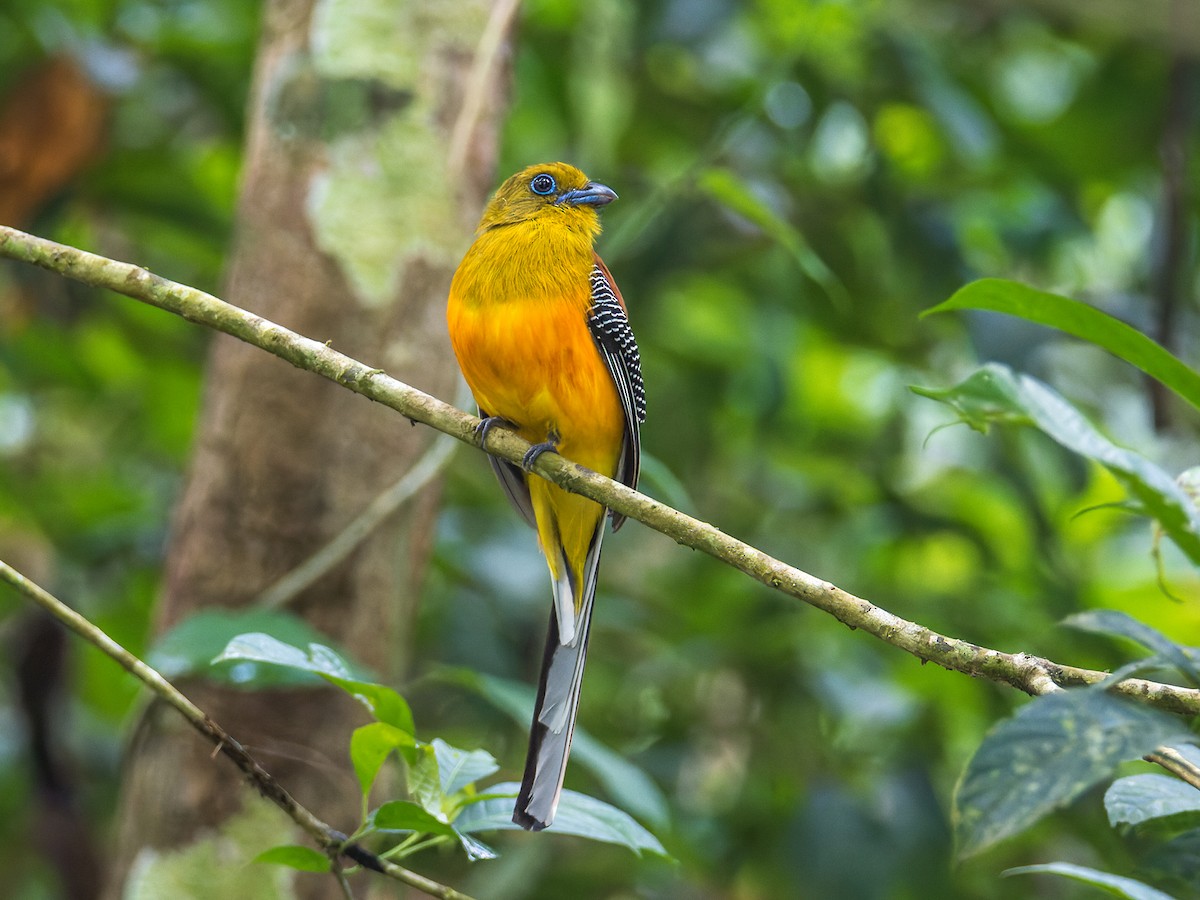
x=484 y=428
x=550 y=444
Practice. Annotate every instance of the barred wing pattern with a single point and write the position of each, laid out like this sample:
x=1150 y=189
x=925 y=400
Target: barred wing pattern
x=609 y=324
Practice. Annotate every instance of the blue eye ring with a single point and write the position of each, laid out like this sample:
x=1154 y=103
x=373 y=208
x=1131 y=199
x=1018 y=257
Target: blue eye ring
x=543 y=184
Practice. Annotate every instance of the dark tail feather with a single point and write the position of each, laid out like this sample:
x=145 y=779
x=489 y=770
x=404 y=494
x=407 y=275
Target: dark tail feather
x=557 y=704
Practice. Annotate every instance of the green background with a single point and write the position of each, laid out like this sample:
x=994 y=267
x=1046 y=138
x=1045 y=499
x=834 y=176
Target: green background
x=798 y=181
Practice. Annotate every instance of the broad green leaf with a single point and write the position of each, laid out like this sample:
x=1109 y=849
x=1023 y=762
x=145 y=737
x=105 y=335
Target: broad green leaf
x=385 y=704
x=458 y=768
x=1082 y=321
x=305 y=859
x=424 y=779
x=988 y=396
x=1176 y=861
x=1050 y=752
x=1114 y=622
x=403 y=815
x=370 y=745
x=259 y=647
x=190 y=646
x=625 y=783
x=577 y=814
x=727 y=189
x=1138 y=799
x=997 y=394
x=1117 y=885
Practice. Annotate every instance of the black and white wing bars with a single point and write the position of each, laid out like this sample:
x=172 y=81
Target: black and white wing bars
x=609 y=324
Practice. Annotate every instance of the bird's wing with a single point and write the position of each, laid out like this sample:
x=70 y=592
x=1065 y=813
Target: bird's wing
x=609 y=325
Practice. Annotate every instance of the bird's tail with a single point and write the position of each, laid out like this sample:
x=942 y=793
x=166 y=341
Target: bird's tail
x=558 y=690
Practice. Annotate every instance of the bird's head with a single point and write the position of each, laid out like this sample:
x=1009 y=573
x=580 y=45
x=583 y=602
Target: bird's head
x=550 y=192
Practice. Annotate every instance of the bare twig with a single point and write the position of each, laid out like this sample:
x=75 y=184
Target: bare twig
x=1016 y=670
x=1177 y=764
x=331 y=841
x=343 y=544
x=478 y=81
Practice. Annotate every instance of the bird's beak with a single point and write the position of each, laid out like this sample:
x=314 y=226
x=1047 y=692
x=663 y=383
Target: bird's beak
x=591 y=194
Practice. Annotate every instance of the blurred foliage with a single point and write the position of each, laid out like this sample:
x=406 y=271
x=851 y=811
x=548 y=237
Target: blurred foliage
x=799 y=180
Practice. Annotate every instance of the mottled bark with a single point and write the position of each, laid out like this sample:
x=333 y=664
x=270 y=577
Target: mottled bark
x=349 y=226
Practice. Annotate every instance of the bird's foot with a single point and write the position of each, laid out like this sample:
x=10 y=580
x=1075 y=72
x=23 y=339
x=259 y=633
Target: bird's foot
x=529 y=460
x=484 y=428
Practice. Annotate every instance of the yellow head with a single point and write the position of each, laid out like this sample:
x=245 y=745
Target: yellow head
x=550 y=192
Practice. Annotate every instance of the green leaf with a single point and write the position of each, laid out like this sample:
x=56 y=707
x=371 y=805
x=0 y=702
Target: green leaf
x=577 y=814
x=1176 y=861
x=628 y=785
x=370 y=745
x=458 y=768
x=403 y=815
x=383 y=702
x=424 y=779
x=1116 y=885
x=1082 y=321
x=259 y=647
x=1114 y=622
x=190 y=646
x=1139 y=799
x=306 y=859
x=1050 y=752
x=997 y=394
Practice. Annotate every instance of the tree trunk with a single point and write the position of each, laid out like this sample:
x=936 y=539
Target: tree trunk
x=370 y=148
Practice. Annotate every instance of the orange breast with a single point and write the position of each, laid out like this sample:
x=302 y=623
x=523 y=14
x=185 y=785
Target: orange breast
x=528 y=356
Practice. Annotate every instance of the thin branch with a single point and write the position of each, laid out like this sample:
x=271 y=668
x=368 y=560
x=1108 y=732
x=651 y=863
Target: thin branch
x=1177 y=764
x=1016 y=670
x=331 y=841
x=342 y=545
x=479 y=81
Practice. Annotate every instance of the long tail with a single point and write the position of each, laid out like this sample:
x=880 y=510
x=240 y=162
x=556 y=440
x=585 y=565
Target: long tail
x=558 y=693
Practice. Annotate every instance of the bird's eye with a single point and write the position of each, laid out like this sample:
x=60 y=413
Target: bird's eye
x=543 y=184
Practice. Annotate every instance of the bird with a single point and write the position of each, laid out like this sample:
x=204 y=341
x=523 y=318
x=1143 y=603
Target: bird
x=543 y=339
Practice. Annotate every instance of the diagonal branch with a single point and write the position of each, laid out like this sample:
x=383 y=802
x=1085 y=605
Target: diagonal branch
x=349 y=538
x=333 y=842
x=1020 y=670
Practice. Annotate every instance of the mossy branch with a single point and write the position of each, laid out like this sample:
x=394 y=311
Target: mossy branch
x=1027 y=673
x=331 y=841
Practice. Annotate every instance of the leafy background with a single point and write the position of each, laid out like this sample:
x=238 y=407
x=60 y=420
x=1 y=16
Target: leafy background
x=799 y=181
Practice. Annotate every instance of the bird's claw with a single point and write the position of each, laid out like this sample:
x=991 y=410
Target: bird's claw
x=529 y=460
x=550 y=445
x=484 y=428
